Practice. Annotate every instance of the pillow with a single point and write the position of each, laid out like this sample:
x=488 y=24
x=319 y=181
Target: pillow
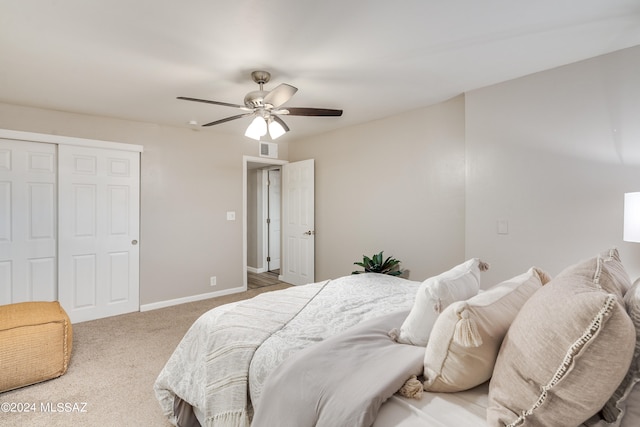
x=610 y=275
x=632 y=410
x=466 y=337
x=567 y=350
x=629 y=390
x=435 y=294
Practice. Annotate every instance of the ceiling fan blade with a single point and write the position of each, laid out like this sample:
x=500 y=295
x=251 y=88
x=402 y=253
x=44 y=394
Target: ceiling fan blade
x=228 y=119
x=281 y=94
x=281 y=122
x=226 y=104
x=295 y=111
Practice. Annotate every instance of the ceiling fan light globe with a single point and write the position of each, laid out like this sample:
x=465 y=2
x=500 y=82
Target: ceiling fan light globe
x=256 y=129
x=276 y=130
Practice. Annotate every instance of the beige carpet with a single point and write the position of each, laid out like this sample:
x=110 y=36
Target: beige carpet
x=114 y=364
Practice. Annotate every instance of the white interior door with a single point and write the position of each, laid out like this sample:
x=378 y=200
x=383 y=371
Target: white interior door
x=274 y=218
x=27 y=221
x=298 y=222
x=98 y=232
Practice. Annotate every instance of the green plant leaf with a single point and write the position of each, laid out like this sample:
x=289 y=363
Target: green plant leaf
x=375 y=264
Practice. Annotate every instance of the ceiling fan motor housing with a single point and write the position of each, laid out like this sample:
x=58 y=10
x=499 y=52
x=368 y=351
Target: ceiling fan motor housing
x=255 y=99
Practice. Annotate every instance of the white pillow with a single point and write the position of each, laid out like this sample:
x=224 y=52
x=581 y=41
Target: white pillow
x=435 y=294
x=466 y=338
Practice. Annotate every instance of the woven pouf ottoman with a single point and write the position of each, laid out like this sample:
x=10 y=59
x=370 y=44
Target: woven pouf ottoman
x=35 y=343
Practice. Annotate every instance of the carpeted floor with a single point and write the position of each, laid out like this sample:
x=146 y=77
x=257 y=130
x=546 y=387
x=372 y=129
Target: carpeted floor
x=114 y=364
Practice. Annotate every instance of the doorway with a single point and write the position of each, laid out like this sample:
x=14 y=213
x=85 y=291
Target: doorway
x=298 y=230
x=261 y=248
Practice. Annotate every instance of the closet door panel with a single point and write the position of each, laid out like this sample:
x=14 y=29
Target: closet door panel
x=42 y=278
x=83 y=212
x=5 y=211
x=99 y=226
x=6 y=280
x=83 y=284
x=27 y=221
x=119 y=267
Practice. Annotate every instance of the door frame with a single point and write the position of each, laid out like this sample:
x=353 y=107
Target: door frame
x=266 y=210
x=245 y=169
x=67 y=140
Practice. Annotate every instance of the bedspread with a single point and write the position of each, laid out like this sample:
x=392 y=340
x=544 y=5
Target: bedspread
x=209 y=367
x=297 y=317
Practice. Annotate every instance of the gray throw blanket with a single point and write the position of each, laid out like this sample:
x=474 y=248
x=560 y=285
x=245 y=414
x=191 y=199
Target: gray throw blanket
x=227 y=345
x=341 y=381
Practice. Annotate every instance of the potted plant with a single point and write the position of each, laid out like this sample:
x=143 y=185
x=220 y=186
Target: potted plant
x=375 y=264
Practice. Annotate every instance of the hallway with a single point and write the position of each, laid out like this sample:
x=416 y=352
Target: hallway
x=260 y=280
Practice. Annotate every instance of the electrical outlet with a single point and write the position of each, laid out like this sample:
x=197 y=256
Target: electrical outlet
x=212 y=280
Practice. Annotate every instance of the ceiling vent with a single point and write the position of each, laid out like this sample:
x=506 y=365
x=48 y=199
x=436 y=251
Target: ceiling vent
x=269 y=149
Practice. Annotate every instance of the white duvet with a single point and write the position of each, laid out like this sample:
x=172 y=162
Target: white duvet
x=312 y=313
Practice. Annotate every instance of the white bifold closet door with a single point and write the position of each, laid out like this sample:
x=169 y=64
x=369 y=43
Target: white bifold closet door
x=98 y=231
x=28 y=223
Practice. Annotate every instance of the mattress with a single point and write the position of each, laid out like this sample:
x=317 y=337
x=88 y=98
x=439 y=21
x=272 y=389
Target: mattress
x=461 y=409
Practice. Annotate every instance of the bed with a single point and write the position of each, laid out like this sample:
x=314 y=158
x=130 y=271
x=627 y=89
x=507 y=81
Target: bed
x=350 y=352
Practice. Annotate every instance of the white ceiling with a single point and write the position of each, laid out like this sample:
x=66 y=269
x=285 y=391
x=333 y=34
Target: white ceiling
x=130 y=59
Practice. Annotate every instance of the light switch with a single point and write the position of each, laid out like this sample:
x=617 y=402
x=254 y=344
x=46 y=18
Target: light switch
x=231 y=216
x=503 y=226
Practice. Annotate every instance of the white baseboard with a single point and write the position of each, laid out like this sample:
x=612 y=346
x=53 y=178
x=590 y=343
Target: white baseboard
x=193 y=298
x=256 y=270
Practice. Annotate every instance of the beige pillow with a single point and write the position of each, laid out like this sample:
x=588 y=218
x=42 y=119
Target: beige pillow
x=567 y=351
x=614 y=410
x=609 y=273
x=632 y=410
x=465 y=339
x=435 y=294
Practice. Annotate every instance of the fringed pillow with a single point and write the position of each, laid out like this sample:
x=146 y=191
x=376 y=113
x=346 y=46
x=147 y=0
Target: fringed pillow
x=622 y=409
x=568 y=349
x=435 y=294
x=466 y=338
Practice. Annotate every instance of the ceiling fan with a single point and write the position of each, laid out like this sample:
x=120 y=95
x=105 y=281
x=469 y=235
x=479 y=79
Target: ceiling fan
x=266 y=107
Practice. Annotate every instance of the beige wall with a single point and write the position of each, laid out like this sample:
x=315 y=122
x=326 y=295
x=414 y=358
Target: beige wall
x=189 y=180
x=553 y=153
x=395 y=185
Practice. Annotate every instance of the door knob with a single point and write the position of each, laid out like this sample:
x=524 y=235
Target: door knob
x=134 y=242
x=309 y=233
